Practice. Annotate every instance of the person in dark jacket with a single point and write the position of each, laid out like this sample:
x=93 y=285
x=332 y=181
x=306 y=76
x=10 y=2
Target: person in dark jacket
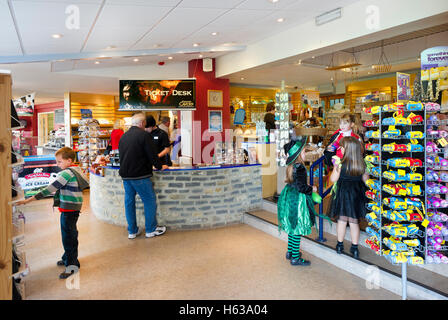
x=160 y=139
x=269 y=117
x=137 y=157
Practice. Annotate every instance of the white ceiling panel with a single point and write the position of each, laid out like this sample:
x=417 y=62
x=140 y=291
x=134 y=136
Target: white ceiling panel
x=37 y=21
x=310 y=8
x=266 y=4
x=179 y=24
x=9 y=44
x=155 y=3
x=122 y=25
x=220 y=4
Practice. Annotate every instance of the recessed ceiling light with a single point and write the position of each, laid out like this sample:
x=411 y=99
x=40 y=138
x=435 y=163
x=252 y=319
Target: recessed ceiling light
x=313 y=57
x=214 y=33
x=195 y=44
x=110 y=47
x=331 y=79
x=200 y=56
x=157 y=45
x=56 y=36
x=97 y=62
x=280 y=19
x=273 y=1
x=170 y=58
x=242 y=78
x=136 y=60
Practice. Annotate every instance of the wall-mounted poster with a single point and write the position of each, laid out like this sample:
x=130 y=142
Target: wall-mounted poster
x=403 y=86
x=157 y=95
x=214 y=98
x=215 y=121
x=25 y=105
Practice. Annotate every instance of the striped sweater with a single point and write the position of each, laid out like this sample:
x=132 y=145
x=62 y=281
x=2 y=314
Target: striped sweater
x=70 y=196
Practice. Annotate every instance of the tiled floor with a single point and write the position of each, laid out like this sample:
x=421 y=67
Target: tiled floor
x=418 y=274
x=235 y=262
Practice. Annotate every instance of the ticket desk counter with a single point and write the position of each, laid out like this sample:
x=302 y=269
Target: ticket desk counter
x=187 y=197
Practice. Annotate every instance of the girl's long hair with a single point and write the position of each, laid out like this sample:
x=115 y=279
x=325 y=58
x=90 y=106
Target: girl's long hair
x=290 y=168
x=353 y=159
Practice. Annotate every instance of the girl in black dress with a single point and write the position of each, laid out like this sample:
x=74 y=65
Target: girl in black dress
x=348 y=202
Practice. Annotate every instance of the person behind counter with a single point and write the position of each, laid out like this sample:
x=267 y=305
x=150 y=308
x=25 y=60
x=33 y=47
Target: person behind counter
x=160 y=139
x=269 y=117
x=137 y=157
x=165 y=124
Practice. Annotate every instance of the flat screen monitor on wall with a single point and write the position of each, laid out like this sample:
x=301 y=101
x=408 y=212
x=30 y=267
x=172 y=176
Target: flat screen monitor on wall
x=149 y=95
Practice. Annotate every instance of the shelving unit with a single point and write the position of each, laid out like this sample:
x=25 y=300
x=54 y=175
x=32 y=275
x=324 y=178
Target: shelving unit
x=397 y=217
x=436 y=185
x=5 y=197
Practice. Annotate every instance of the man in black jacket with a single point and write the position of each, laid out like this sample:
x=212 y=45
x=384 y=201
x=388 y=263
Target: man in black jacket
x=137 y=157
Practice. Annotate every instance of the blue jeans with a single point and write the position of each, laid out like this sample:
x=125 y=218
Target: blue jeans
x=69 y=234
x=144 y=188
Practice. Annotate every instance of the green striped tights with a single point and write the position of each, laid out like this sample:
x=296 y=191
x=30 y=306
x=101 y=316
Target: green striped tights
x=294 y=245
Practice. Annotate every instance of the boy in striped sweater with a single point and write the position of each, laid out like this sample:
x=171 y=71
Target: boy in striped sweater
x=68 y=198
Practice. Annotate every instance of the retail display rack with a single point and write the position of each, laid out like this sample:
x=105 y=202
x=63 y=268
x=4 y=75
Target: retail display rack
x=20 y=268
x=397 y=209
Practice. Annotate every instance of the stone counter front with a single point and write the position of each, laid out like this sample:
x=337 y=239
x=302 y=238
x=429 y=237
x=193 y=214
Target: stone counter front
x=186 y=198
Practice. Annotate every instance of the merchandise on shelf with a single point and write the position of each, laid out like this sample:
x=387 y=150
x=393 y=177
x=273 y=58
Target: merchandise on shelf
x=396 y=218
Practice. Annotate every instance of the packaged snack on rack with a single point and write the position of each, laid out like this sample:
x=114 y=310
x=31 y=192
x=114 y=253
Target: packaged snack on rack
x=372 y=110
x=436 y=202
x=372 y=232
x=375 y=171
x=431 y=147
x=437 y=216
x=373 y=244
x=372 y=195
x=412 y=147
x=394 y=147
x=437 y=161
x=395 y=244
x=414 y=119
x=414 y=106
x=373 y=147
x=372 y=158
x=395 y=189
x=372 y=134
x=391 y=132
x=399 y=175
x=373 y=184
x=395 y=203
x=413 y=189
x=432 y=106
x=373 y=221
x=437 y=133
x=371 y=123
x=414 y=135
x=432 y=175
x=412 y=176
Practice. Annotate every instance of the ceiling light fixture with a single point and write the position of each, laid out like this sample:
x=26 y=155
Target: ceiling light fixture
x=328 y=16
x=170 y=58
x=200 y=56
x=242 y=78
x=110 y=47
x=195 y=44
x=214 y=33
x=97 y=62
x=56 y=36
x=280 y=19
x=273 y=1
x=136 y=60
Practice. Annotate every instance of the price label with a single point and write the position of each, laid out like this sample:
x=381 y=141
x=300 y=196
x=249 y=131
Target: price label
x=373 y=215
x=425 y=223
x=442 y=142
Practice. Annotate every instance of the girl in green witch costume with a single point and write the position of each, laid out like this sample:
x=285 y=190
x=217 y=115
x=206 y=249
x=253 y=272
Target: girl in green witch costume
x=295 y=207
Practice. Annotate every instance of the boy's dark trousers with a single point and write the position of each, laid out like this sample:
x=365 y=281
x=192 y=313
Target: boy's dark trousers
x=69 y=234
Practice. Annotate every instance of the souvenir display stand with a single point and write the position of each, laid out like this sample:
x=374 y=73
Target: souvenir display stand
x=437 y=179
x=396 y=163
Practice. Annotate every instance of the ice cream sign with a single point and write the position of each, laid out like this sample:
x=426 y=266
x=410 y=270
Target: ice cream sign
x=37 y=179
